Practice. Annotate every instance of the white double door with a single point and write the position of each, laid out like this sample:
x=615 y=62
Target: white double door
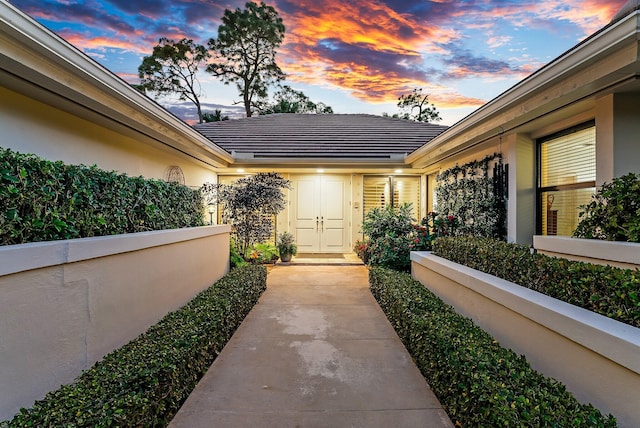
x=321 y=217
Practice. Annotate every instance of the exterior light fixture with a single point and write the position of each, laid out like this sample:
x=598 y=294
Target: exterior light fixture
x=212 y=209
x=240 y=170
x=319 y=171
x=398 y=171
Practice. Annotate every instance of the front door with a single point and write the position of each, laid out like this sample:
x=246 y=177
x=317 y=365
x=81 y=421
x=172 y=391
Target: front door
x=320 y=213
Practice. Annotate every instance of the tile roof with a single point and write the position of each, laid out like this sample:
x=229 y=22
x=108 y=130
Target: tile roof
x=333 y=136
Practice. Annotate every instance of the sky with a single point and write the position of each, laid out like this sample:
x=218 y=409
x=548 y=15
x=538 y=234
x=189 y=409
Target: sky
x=357 y=56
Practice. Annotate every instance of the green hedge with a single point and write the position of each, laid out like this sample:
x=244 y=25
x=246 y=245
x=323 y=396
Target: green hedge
x=145 y=382
x=41 y=200
x=479 y=383
x=606 y=290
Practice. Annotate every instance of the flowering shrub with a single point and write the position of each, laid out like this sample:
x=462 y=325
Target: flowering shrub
x=362 y=250
x=392 y=234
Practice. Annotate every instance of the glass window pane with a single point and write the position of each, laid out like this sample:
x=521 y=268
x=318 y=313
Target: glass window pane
x=560 y=210
x=407 y=189
x=376 y=192
x=569 y=159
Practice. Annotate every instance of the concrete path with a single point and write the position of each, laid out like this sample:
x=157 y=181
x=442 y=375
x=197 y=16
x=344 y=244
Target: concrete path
x=316 y=351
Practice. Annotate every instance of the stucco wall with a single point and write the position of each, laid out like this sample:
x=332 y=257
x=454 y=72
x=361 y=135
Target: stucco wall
x=66 y=304
x=57 y=135
x=594 y=356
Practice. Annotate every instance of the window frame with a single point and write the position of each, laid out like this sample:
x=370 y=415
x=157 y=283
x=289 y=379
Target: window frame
x=572 y=186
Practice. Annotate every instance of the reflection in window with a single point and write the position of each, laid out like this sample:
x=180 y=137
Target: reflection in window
x=567 y=172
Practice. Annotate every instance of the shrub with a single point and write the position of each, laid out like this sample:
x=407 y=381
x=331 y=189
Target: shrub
x=391 y=235
x=263 y=253
x=478 y=382
x=42 y=200
x=145 y=382
x=609 y=291
x=613 y=213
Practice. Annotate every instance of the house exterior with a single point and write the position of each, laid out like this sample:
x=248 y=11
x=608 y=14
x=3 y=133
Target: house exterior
x=564 y=130
x=339 y=166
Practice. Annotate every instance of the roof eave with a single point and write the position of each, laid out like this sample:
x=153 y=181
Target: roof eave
x=610 y=38
x=60 y=75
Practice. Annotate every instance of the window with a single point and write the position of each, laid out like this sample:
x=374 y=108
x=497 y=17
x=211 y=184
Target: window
x=380 y=191
x=566 y=178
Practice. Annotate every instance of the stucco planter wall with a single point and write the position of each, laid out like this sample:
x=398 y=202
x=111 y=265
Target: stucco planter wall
x=595 y=356
x=621 y=254
x=66 y=304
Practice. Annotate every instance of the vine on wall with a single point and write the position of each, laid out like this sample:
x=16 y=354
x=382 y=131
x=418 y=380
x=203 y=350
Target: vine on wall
x=476 y=194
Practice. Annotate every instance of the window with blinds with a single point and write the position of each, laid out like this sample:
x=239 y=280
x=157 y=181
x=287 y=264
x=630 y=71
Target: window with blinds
x=380 y=191
x=566 y=178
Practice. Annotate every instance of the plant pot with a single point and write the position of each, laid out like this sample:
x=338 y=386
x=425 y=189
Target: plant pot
x=285 y=258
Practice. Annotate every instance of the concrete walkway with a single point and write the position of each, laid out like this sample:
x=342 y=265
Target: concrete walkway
x=316 y=351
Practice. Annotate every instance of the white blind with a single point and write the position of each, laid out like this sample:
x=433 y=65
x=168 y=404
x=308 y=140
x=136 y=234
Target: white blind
x=569 y=158
x=377 y=192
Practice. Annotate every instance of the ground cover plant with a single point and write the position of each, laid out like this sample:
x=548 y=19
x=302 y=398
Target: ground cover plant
x=41 y=200
x=145 y=382
x=606 y=290
x=478 y=383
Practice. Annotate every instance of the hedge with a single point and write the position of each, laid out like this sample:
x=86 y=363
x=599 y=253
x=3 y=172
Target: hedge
x=145 y=382
x=606 y=290
x=478 y=382
x=41 y=200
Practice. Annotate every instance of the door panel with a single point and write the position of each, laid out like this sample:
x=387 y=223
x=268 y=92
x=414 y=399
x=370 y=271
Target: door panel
x=306 y=215
x=321 y=223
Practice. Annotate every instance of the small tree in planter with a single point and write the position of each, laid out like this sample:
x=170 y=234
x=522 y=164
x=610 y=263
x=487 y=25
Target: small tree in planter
x=286 y=246
x=249 y=204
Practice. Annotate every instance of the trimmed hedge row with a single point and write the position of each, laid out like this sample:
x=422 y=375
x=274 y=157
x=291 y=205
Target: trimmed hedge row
x=606 y=290
x=41 y=200
x=478 y=382
x=145 y=382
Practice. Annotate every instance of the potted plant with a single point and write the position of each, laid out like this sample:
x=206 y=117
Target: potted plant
x=286 y=246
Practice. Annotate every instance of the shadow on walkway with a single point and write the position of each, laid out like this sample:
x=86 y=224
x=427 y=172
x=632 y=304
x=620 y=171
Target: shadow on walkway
x=316 y=351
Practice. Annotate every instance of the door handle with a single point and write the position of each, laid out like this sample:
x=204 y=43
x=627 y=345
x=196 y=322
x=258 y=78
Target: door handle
x=317 y=222
x=322 y=223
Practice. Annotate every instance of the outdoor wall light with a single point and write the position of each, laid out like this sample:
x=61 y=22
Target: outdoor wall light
x=212 y=209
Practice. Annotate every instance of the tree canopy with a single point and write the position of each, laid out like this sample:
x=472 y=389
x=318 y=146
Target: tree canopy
x=288 y=100
x=216 y=116
x=416 y=106
x=172 y=69
x=244 y=52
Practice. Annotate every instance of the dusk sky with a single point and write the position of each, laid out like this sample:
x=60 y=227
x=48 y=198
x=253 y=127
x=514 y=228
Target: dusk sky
x=356 y=56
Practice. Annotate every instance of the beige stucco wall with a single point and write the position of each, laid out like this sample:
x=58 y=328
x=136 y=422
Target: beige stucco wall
x=58 y=135
x=617 y=136
x=594 y=356
x=66 y=304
